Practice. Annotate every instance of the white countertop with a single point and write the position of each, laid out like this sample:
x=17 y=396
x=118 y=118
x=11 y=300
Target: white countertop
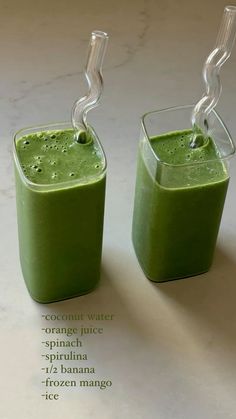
x=170 y=351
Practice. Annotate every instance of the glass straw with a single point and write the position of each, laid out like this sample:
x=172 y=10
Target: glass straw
x=222 y=51
x=97 y=48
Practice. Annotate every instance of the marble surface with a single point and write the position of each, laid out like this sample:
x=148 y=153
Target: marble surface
x=171 y=349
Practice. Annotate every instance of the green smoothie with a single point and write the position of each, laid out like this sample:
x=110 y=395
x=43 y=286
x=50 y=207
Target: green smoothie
x=60 y=190
x=179 y=198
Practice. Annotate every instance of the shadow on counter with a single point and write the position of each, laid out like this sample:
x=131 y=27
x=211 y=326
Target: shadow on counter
x=209 y=298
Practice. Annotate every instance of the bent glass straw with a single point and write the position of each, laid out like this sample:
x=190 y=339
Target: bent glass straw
x=222 y=51
x=93 y=73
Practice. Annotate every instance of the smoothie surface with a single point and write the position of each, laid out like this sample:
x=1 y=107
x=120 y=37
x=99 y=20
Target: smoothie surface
x=51 y=157
x=174 y=149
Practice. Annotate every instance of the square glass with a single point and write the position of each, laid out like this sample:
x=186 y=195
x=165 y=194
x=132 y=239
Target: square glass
x=60 y=222
x=178 y=206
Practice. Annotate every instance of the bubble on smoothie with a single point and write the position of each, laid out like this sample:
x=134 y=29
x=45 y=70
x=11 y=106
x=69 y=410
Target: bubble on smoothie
x=53 y=136
x=26 y=142
x=38 y=170
x=72 y=174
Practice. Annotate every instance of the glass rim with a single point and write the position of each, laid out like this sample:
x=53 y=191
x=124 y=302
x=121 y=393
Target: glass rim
x=65 y=184
x=180 y=107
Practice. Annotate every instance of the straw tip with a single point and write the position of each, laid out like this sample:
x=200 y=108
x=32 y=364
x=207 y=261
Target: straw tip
x=81 y=137
x=100 y=34
x=231 y=9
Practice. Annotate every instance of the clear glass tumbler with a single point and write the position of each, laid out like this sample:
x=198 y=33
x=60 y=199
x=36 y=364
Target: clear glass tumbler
x=60 y=222
x=178 y=205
